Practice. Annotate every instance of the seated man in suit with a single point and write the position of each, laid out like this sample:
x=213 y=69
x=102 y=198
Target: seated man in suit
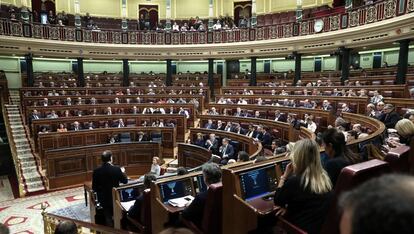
x=212 y=143
x=52 y=115
x=34 y=115
x=104 y=178
x=390 y=116
x=119 y=124
x=209 y=124
x=238 y=129
x=220 y=125
x=142 y=137
x=279 y=116
x=229 y=127
x=226 y=151
x=195 y=211
x=251 y=132
x=76 y=126
x=135 y=210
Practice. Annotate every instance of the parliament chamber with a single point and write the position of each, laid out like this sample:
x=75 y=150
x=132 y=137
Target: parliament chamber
x=207 y=116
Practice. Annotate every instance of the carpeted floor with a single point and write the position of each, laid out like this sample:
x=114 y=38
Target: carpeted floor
x=23 y=215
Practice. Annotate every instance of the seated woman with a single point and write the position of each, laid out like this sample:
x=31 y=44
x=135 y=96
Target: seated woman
x=200 y=140
x=304 y=190
x=155 y=167
x=62 y=128
x=405 y=129
x=339 y=156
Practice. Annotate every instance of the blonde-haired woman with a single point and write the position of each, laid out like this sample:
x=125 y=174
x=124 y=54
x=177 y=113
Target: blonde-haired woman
x=405 y=128
x=304 y=190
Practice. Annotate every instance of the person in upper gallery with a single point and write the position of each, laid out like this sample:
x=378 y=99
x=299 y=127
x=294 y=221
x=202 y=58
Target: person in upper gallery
x=303 y=192
x=213 y=111
x=279 y=116
x=251 y=132
x=326 y=106
x=104 y=178
x=175 y=26
x=212 y=143
x=339 y=155
x=238 y=112
x=381 y=205
x=51 y=19
x=238 y=129
x=195 y=211
x=390 y=117
x=384 y=64
x=220 y=125
x=226 y=151
x=135 y=210
x=34 y=115
x=376 y=98
x=52 y=115
x=76 y=126
x=200 y=140
x=257 y=114
x=210 y=124
x=62 y=128
x=65 y=227
x=345 y=108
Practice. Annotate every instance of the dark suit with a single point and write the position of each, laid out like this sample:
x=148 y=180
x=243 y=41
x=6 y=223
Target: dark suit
x=209 y=126
x=266 y=139
x=221 y=127
x=195 y=211
x=390 y=119
x=226 y=153
x=213 y=147
x=105 y=178
x=281 y=118
x=199 y=142
x=252 y=134
x=76 y=128
x=32 y=117
x=135 y=210
x=144 y=138
x=241 y=131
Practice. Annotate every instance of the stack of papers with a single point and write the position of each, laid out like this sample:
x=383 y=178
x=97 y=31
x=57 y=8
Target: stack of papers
x=127 y=205
x=181 y=201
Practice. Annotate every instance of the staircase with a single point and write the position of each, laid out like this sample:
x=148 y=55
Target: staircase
x=27 y=167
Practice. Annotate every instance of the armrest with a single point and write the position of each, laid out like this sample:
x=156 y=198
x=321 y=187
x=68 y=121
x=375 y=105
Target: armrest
x=289 y=227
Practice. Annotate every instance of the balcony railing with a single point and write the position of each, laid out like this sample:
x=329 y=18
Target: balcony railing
x=379 y=11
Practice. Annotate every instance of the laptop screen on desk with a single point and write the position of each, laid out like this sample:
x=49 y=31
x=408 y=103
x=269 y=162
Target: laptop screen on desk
x=175 y=189
x=129 y=194
x=258 y=182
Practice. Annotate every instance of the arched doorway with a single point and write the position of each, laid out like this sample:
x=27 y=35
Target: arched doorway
x=41 y=8
x=150 y=14
x=241 y=10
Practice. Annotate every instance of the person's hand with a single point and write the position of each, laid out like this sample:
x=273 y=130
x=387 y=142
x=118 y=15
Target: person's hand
x=288 y=170
x=123 y=169
x=280 y=211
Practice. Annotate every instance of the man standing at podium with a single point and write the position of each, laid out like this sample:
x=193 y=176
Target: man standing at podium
x=104 y=178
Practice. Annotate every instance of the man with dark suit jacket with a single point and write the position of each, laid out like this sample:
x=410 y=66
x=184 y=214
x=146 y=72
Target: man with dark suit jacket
x=226 y=151
x=135 y=210
x=195 y=211
x=104 y=178
x=212 y=143
x=279 y=117
x=390 y=117
x=76 y=126
x=265 y=137
x=251 y=132
x=209 y=125
x=142 y=137
x=34 y=115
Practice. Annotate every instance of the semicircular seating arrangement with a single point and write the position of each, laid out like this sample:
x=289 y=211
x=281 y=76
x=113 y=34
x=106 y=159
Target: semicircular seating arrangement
x=177 y=99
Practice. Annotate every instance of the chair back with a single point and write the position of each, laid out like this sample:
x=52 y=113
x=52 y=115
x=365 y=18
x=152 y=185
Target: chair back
x=212 y=217
x=146 y=211
x=349 y=178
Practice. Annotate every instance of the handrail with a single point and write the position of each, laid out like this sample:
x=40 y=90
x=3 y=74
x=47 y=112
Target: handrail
x=13 y=150
x=332 y=21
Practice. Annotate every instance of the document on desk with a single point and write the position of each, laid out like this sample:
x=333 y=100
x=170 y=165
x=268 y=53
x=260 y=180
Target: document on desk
x=181 y=201
x=127 y=205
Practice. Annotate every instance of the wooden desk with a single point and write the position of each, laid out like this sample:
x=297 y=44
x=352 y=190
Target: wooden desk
x=56 y=140
x=72 y=166
x=191 y=156
x=129 y=120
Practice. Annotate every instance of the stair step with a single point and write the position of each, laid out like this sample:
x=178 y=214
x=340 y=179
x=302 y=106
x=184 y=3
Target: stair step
x=28 y=164
x=29 y=169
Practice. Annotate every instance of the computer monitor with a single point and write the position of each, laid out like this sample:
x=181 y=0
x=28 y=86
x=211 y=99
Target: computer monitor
x=258 y=182
x=201 y=186
x=175 y=189
x=129 y=194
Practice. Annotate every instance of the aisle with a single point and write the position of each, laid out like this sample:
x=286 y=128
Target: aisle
x=23 y=215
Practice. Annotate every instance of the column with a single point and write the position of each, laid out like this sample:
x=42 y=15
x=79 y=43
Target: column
x=211 y=77
x=81 y=79
x=298 y=67
x=299 y=10
x=402 y=61
x=168 y=15
x=124 y=24
x=29 y=69
x=253 y=80
x=125 y=72
x=24 y=11
x=345 y=64
x=253 y=22
x=168 y=81
x=78 y=22
x=210 y=15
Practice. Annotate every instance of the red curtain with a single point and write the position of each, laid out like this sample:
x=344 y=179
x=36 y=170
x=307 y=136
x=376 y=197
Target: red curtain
x=242 y=9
